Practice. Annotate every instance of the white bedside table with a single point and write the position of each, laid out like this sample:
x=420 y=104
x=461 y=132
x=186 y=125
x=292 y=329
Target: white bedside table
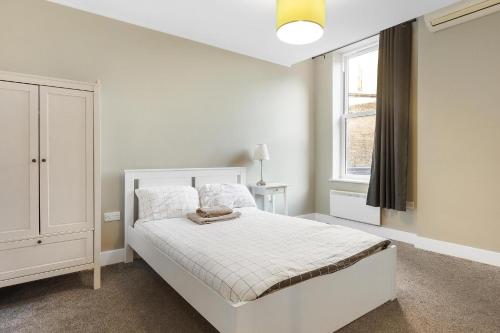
x=270 y=189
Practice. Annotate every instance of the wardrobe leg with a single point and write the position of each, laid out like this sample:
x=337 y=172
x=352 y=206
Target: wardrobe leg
x=97 y=277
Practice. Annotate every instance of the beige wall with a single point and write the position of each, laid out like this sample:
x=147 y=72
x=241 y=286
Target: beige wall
x=168 y=102
x=459 y=134
x=455 y=121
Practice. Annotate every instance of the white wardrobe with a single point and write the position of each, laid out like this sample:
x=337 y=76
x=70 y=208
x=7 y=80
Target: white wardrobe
x=49 y=178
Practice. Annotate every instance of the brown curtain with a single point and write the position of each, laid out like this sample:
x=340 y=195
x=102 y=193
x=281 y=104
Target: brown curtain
x=388 y=182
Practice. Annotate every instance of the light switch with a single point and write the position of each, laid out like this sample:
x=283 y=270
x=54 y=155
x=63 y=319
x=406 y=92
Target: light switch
x=111 y=216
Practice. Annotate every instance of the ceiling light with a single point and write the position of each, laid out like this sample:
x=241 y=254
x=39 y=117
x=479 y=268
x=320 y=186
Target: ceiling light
x=300 y=21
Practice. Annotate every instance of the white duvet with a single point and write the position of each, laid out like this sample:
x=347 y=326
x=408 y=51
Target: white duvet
x=242 y=258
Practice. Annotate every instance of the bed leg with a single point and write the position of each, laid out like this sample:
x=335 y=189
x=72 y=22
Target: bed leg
x=129 y=254
x=393 y=281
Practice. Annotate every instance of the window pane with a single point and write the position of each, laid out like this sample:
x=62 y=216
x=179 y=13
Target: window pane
x=359 y=145
x=362 y=82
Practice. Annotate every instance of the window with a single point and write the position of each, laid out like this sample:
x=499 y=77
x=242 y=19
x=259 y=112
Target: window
x=356 y=110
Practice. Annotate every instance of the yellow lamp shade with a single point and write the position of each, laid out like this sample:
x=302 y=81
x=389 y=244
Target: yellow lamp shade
x=300 y=21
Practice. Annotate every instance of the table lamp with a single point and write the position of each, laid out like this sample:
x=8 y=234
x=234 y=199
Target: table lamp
x=261 y=153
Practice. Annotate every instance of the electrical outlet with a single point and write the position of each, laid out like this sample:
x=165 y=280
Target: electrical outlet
x=111 y=216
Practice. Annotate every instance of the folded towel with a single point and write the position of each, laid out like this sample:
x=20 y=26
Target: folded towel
x=213 y=211
x=207 y=220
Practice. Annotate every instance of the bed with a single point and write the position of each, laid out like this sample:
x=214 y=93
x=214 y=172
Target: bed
x=315 y=298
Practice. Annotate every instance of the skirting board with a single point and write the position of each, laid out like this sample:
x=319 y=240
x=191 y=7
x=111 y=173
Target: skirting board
x=433 y=245
x=428 y=244
x=111 y=257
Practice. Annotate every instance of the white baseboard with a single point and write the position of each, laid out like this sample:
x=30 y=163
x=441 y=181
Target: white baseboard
x=111 y=257
x=460 y=251
x=307 y=216
x=450 y=249
x=433 y=245
x=402 y=236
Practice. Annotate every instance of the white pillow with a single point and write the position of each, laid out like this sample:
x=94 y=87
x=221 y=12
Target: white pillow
x=230 y=195
x=166 y=202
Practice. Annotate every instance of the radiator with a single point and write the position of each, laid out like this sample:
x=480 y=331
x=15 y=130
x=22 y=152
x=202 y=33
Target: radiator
x=352 y=206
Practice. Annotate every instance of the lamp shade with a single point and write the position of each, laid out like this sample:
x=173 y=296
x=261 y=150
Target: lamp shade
x=300 y=21
x=261 y=152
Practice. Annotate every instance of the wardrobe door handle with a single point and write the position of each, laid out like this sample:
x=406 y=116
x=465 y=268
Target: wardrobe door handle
x=33 y=160
x=39 y=241
x=44 y=160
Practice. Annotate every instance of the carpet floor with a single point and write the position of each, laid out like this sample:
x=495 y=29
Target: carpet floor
x=436 y=293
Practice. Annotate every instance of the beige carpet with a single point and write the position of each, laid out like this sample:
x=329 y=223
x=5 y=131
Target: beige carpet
x=436 y=293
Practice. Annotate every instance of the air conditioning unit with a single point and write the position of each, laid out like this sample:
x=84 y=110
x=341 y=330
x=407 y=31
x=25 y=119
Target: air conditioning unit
x=459 y=13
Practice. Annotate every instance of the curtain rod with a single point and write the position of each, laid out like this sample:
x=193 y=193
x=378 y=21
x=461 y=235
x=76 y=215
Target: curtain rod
x=360 y=40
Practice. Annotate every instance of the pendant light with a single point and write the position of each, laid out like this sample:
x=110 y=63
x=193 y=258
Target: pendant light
x=300 y=21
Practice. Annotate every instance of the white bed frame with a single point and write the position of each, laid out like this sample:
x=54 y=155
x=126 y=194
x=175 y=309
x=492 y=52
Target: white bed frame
x=322 y=304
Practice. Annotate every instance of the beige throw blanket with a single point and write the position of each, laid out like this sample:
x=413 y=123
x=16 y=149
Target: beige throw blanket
x=213 y=211
x=207 y=220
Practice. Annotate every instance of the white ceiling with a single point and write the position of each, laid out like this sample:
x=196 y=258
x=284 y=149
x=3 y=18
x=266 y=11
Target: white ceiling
x=247 y=26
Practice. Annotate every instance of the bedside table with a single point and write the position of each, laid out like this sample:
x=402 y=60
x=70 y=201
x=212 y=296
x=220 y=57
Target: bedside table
x=270 y=189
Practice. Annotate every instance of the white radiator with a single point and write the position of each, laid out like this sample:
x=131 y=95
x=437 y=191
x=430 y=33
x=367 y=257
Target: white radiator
x=352 y=206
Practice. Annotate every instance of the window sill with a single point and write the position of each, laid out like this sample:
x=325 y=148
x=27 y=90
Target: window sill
x=350 y=181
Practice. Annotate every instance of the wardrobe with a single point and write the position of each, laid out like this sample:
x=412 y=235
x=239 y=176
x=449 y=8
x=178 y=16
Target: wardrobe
x=49 y=178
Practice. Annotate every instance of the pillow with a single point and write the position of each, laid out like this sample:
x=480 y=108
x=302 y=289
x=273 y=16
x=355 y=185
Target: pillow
x=230 y=195
x=166 y=202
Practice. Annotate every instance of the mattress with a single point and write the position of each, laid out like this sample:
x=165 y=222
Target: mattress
x=260 y=252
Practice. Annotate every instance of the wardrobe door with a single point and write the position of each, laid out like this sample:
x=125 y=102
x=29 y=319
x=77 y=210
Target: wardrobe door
x=18 y=161
x=66 y=160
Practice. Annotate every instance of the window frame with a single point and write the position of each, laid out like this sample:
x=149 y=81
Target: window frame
x=340 y=109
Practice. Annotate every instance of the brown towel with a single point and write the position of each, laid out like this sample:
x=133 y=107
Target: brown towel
x=207 y=220
x=213 y=211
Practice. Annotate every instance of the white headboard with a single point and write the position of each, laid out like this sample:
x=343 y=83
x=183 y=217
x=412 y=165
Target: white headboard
x=188 y=177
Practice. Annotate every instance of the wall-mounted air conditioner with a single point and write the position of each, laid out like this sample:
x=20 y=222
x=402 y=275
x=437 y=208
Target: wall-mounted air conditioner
x=459 y=13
